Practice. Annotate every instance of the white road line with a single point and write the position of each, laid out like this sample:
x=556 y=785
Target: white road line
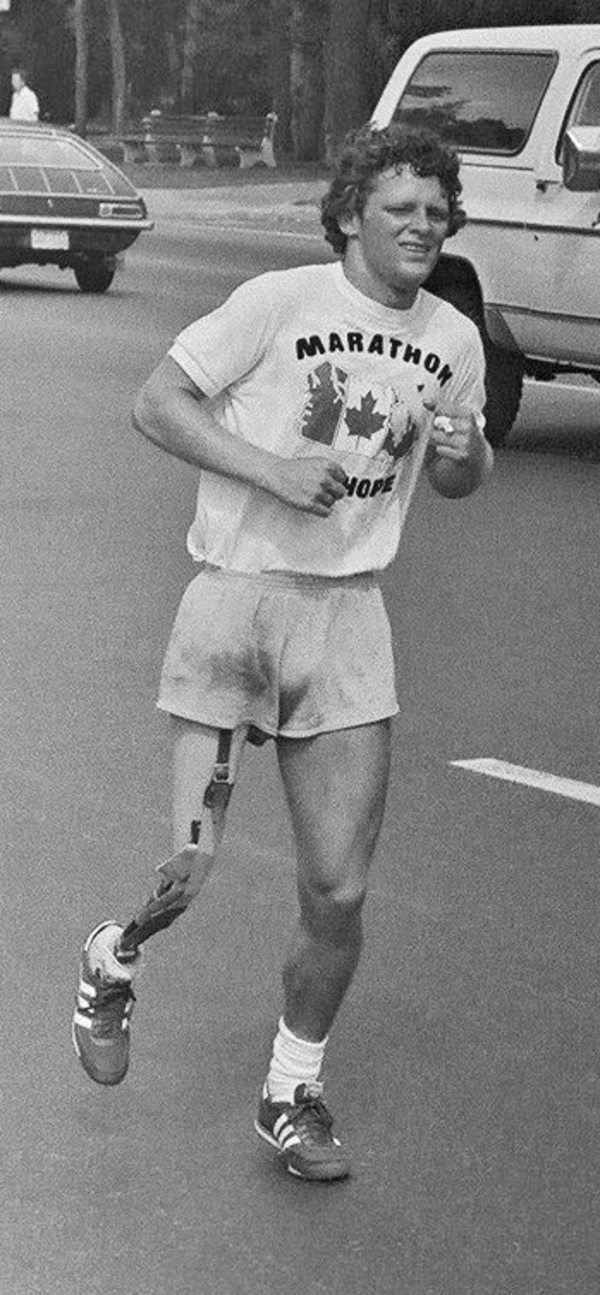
x=570 y=787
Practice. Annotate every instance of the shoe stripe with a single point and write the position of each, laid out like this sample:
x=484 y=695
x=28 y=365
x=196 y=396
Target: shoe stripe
x=280 y=1123
x=285 y=1133
x=79 y=1019
x=84 y=1009
x=88 y=999
x=288 y=1140
x=85 y=988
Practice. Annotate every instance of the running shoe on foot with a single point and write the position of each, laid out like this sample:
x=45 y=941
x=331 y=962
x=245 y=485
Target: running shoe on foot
x=302 y=1134
x=104 y=1006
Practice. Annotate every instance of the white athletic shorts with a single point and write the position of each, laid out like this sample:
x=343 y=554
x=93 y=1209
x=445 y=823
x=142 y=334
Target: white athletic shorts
x=290 y=655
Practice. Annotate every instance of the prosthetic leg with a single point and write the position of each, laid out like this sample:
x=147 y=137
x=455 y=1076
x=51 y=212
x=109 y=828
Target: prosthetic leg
x=182 y=876
x=111 y=955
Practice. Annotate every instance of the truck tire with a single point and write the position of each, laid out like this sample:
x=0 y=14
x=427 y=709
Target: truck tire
x=503 y=388
x=504 y=369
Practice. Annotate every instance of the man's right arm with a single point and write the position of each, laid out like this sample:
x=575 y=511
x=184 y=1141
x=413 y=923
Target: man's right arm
x=174 y=414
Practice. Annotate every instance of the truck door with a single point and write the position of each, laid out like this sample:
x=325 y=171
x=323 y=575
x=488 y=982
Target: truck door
x=565 y=224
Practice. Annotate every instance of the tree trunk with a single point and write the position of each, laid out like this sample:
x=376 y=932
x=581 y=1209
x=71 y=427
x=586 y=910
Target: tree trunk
x=279 y=63
x=347 y=92
x=168 y=97
x=117 y=54
x=80 y=29
x=190 y=55
x=307 y=76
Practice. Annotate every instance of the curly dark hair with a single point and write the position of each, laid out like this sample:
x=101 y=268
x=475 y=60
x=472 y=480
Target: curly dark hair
x=367 y=152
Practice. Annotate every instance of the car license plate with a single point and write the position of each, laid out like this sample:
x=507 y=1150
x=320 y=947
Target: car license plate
x=51 y=240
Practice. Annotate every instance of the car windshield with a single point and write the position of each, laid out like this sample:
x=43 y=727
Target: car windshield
x=478 y=100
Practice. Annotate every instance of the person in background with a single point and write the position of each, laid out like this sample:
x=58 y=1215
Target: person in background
x=24 y=104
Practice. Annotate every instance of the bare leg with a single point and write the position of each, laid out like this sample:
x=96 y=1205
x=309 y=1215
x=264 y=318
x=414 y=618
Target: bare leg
x=336 y=787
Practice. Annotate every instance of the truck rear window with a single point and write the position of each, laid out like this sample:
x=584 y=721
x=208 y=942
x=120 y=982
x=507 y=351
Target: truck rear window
x=479 y=101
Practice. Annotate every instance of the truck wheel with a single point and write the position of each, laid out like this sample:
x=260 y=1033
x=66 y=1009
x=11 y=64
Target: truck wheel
x=94 y=275
x=503 y=389
x=503 y=369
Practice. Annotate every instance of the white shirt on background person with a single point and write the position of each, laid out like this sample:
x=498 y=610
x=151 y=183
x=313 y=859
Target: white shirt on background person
x=24 y=105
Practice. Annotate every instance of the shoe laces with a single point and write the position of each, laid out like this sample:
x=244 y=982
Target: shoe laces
x=310 y=1114
x=110 y=1007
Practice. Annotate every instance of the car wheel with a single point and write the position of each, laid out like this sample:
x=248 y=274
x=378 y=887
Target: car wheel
x=504 y=370
x=94 y=275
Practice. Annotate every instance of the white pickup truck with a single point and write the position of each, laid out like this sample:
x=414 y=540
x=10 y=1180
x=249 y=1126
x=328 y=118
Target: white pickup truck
x=522 y=107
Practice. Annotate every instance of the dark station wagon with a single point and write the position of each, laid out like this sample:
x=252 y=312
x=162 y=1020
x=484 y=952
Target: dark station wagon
x=62 y=203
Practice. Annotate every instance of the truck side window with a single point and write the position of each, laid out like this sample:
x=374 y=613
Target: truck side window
x=585 y=108
x=479 y=101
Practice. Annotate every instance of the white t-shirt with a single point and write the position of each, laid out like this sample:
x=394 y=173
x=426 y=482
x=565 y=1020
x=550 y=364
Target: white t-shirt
x=301 y=363
x=24 y=105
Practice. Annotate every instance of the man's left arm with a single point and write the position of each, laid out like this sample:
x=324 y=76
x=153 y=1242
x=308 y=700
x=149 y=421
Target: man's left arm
x=458 y=458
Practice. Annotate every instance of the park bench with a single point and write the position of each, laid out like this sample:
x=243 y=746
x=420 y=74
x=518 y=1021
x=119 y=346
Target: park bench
x=209 y=139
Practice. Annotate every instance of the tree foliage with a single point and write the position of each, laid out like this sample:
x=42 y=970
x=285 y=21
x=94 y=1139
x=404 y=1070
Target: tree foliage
x=319 y=63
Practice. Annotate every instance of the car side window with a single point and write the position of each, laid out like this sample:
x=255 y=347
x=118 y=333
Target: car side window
x=478 y=100
x=585 y=107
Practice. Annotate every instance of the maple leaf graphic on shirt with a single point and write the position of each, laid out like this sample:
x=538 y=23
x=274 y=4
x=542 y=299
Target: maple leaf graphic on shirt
x=325 y=402
x=362 y=421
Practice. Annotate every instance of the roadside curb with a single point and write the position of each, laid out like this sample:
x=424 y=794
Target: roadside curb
x=292 y=201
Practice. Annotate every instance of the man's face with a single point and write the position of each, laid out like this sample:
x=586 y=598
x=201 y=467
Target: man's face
x=17 y=81
x=395 y=243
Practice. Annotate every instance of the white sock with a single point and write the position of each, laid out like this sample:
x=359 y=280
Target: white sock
x=294 y=1061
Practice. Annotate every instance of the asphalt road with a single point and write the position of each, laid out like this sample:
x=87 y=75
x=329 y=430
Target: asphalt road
x=464 y=1068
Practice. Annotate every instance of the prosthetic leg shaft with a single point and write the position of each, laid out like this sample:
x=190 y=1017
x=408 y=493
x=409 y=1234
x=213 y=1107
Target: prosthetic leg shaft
x=181 y=877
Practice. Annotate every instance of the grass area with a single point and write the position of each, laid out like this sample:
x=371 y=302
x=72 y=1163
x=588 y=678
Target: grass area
x=167 y=175
x=147 y=175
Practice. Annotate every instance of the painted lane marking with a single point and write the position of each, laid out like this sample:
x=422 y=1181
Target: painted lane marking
x=570 y=787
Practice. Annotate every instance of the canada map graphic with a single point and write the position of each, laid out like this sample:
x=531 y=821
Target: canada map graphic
x=356 y=416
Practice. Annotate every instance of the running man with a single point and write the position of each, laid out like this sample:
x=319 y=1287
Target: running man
x=309 y=401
